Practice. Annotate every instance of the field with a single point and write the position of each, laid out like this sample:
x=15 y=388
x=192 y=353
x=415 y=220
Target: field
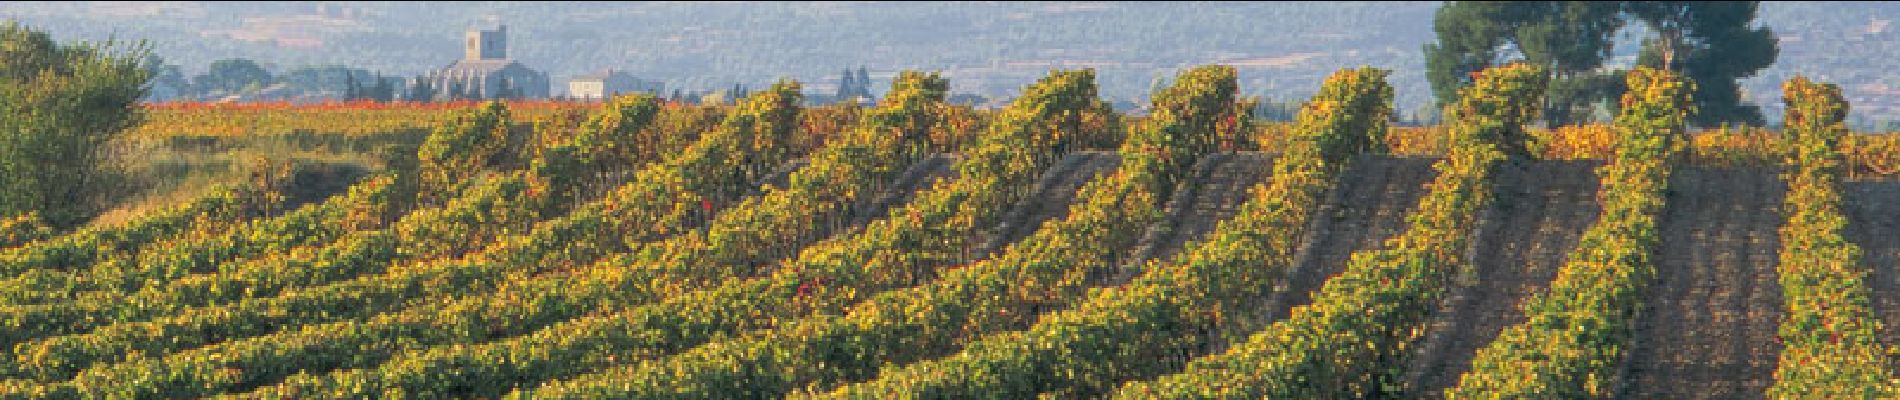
x=765 y=249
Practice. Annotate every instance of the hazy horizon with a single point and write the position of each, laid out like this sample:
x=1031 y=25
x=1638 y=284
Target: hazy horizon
x=1282 y=50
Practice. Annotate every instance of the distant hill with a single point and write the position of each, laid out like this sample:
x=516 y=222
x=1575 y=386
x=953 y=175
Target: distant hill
x=1282 y=49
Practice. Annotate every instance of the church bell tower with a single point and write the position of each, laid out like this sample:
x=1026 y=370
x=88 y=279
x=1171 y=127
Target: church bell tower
x=487 y=44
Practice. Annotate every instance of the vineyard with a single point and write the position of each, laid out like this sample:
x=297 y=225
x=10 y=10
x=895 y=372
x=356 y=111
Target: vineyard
x=1054 y=248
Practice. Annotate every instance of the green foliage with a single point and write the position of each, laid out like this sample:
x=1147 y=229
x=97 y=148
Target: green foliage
x=1829 y=330
x=844 y=172
x=92 y=245
x=613 y=136
x=1710 y=42
x=1187 y=119
x=663 y=199
x=22 y=229
x=1360 y=322
x=612 y=142
x=203 y=245
x=1570 y=38
x=492 y=207
x=1349 y=115
x=1498 y=118
x=60 y=106
x=1573 y=340
x=895 y=251
x=232 y=76
x=455 y=152
x=919 y=99
x=1137 y=330
x=1047 y=269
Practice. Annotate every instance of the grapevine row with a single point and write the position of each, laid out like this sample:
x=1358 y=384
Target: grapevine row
x=1572 y=342
x=445 y=170
x=1829 y=334
x=488 y=209
x=87 y=246
x=367 y=204
x=22 y=229
x=1344 y=343
x=661 y=200
x=930 y=231
x=1132 y=331
x=520 y=306
x=847 y=166
x=1045 y=270
x=839 y=180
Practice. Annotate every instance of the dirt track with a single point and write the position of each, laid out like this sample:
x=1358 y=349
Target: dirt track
x=1053 y=194
x=918 y=177
x=1542 y=210
x=1708 y=331
x=1213 y=197
x=1873 y=223
x=1373 y=197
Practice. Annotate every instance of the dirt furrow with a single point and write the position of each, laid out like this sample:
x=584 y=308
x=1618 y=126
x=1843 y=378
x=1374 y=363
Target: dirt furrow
x=1373 y=197
x=1216 y=198
x=1708 y=330
x=1053 y=194
x=1873 y=223
x=1222 y=182
x=918 y=177
x=1543 y=208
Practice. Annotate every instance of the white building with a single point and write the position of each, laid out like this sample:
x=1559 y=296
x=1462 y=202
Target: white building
x=609 y=83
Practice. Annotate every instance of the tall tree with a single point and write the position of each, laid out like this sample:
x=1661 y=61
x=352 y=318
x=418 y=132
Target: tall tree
x=1710 y=42
x=60 y=105
x=1569 y=39
x=233 y=75
x=1714 y=45
x=168 y=81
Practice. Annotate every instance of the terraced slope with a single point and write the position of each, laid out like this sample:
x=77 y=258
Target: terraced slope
x=1873 y=212
x=1542 y=211
x=1368 y=207
x=1709 y=329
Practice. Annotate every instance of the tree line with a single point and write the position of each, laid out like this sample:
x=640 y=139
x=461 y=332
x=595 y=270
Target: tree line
x=1712 y=43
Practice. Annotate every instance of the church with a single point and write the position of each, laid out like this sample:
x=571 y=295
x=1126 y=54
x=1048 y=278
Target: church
x=485 y=72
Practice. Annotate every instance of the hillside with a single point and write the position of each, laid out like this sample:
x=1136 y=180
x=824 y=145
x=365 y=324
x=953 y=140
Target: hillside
x=1054 y=248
